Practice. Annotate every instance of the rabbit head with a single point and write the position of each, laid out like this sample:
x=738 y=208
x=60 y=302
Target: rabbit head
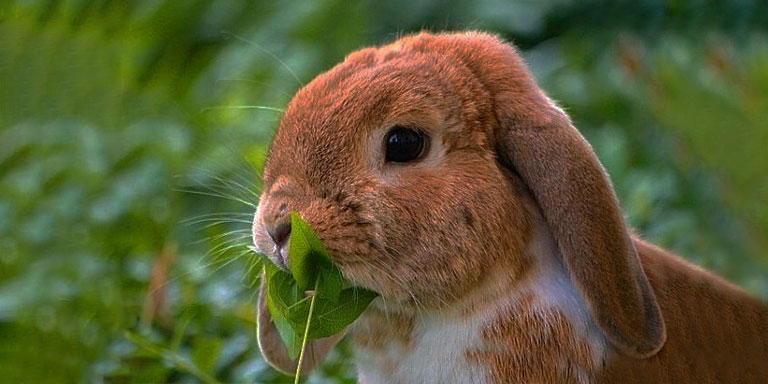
x=420 y=165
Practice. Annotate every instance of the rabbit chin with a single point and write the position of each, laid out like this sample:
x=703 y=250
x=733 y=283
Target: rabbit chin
x=539 y=320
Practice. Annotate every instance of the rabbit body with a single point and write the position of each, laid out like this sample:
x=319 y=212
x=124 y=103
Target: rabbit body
x=499 y=248
x=716 y=332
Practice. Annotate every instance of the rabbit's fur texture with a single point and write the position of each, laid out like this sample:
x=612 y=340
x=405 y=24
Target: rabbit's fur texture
x=501 y=254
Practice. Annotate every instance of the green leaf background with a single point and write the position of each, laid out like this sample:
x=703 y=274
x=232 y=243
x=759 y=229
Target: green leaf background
x=126 y=180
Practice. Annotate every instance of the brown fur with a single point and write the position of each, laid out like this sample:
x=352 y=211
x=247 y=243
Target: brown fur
x=427 y=235
x=716 y=333
x=528 y=345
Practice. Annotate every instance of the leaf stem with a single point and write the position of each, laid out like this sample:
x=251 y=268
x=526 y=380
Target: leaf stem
x=306 y=332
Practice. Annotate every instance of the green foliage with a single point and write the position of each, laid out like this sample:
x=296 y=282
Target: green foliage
x=332 y=307
x=310 y=260
x=130 y=157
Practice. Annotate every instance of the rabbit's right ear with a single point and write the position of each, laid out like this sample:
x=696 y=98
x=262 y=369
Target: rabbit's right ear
x=536 y=140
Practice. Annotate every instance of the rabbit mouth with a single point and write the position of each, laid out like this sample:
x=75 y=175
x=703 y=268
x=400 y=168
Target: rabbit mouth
x=283 y=259
x=278 y=255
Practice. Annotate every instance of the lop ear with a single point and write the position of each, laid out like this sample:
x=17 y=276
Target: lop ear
x=537 y=140
x=581 y=209
x=275 y=352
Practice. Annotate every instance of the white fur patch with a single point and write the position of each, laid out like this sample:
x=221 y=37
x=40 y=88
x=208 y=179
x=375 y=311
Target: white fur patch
x=437 y=354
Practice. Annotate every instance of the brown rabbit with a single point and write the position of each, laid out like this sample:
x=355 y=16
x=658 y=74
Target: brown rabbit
x=441 y=176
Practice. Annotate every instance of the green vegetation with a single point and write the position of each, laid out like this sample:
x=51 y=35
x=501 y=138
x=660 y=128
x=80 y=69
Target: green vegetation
x=130 y=156
x=310 y=269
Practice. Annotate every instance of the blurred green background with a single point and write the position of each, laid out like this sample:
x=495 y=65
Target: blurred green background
x=129 y=162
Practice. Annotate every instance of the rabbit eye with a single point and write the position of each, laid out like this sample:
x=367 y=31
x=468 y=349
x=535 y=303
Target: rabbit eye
x=403 y=144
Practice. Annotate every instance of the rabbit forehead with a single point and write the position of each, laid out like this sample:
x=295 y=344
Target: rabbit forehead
x=324 y=128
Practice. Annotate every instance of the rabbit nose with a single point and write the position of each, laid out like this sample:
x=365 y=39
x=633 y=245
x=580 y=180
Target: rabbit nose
x=280 y=230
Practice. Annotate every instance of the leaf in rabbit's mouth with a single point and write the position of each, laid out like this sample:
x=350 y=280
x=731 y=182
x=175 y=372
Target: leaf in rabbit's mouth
x=327 y=309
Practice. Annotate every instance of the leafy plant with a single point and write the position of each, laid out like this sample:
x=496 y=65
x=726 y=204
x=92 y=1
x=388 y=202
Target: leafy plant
x=325 y=311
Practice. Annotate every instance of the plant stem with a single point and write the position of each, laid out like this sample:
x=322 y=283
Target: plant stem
x=306 y=332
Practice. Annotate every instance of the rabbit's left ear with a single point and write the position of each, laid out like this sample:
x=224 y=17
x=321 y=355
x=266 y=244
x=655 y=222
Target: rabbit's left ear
x=537 y=140
x=580 y=207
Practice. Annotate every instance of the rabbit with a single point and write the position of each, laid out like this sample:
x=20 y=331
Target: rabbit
x=440 y=175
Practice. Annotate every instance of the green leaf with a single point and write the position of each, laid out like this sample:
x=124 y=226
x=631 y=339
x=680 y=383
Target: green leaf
x=307 y=255
x=282 y=294
x=330 y=306
x=281 y=287
x=331 y=317
x=331 y=282
x=289 y=335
